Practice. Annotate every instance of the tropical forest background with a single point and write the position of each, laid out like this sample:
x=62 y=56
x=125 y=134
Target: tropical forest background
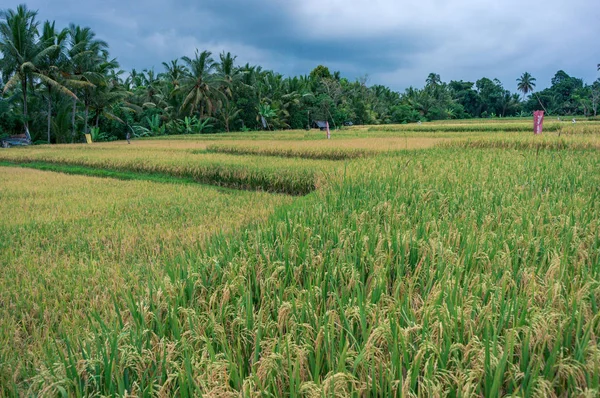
x=61 y=82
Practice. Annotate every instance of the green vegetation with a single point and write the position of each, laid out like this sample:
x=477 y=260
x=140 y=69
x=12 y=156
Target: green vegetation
x=72 y=247
x=304 y=153
x=470 y=268
x=254 y=173
x=452 y=258
x=94 y=172
x=465 y=128
x=76 y=87
x=525 y=143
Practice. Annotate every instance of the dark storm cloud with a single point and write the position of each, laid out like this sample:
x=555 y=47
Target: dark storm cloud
x=396 y=42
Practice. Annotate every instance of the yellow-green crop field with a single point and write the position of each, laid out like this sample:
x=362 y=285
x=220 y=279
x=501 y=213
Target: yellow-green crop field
x=440 y=259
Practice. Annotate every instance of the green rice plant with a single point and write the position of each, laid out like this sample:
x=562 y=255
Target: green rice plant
x=438 y=272
x=447 y=271
x=304 y=153
x=252 y=173
x=527 y=143
x=84 y=248
x=465 y=127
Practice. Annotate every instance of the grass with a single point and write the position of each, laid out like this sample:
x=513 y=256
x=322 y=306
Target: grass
x=467 y=270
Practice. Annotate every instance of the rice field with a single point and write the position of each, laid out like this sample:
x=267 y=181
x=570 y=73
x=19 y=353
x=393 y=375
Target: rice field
x=71 y=245
x=250 y=172
x=468 y=266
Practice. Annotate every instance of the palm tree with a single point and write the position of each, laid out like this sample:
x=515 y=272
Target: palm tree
x=173 y=72
x=18 y=44
x=107 y=93
x=433 y=79
x=229 y=113
x=101 y=77
x=151 y=91
x=50 y=65
x=200 y=86
x=508 y=103
x=228 y=72
x=86 y=55
x=28 y=57
x=526 y=84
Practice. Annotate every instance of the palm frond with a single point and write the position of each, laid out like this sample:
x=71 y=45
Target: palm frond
x=12 y=82
x=54 y=84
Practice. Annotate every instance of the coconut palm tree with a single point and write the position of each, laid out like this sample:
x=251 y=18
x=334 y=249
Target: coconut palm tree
x=200 y=86
x=108 y=93
x=100 y=77
x=86 y=55
x=173 y=72
x=26 y=56
x=433 y=79
x=151 y=91
x=228 y=72
x=526 y=84
x=18 y=45
x=228 y=114
x=50 y=65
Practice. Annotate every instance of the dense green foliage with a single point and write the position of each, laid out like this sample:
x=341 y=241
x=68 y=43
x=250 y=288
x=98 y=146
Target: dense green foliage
x=63 y=83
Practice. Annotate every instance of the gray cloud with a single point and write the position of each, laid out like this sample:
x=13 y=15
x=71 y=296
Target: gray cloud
x=396 y=42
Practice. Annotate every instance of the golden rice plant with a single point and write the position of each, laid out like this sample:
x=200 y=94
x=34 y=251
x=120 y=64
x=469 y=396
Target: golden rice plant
x=439 y=272
x=250 y=172
x=72 y=247
x=449 y=271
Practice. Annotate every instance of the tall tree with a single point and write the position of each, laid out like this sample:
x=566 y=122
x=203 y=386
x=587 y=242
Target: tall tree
x=595 y=96
x=200 y=85
x=228 y=72
x=50 y=66
x=28 y=57
x=86 y=55
x=173 y=72
x=526 y=84
x=433 y=79
x=20 y=50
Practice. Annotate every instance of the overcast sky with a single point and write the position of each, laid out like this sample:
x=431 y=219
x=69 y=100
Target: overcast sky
x=395 y=42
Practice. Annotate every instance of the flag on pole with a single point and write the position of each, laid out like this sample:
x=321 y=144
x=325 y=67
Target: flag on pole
x=327 y=127
x=538 y=122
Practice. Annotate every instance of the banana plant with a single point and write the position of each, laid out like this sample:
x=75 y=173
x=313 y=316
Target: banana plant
x=155 y=125
x=265 y=114
x=192 y=125
x=189 y=124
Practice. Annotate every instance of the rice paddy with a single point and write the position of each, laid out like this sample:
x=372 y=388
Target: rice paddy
x=466 y=266
x=250 y=172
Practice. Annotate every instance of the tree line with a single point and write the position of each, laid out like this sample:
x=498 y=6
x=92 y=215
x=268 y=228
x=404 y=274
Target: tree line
x=59 y=84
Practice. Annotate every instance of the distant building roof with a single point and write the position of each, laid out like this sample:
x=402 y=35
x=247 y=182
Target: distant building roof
x=322 y=124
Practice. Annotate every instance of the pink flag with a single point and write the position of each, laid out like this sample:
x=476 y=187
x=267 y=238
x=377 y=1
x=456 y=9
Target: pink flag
x=538 y=122
x=328 y=133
